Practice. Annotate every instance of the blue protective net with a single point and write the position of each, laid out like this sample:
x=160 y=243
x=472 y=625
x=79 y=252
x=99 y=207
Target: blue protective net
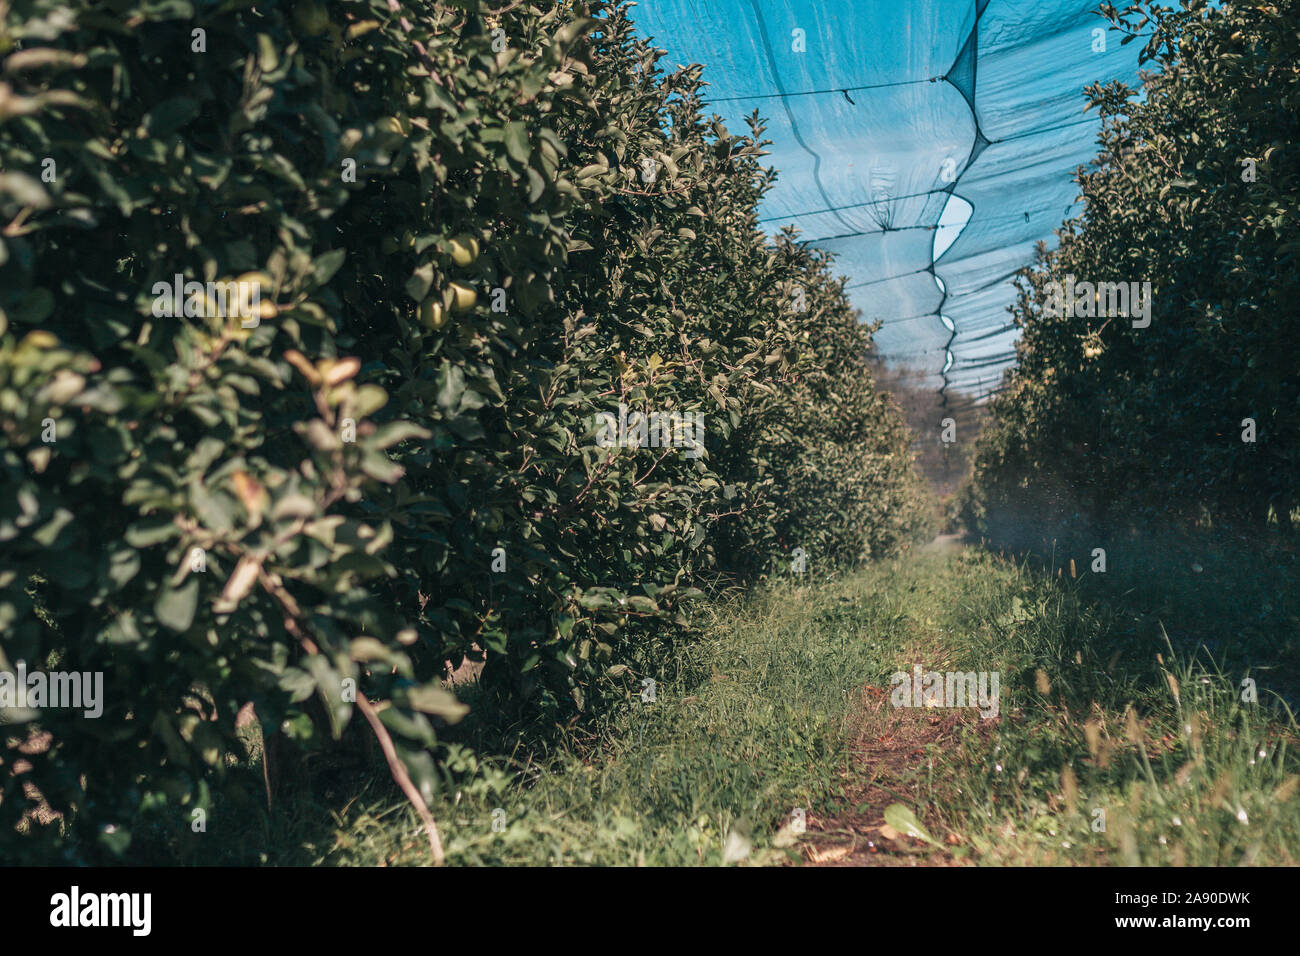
x=885 y=115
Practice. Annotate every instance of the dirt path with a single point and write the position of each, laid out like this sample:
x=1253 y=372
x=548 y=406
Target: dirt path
x=889 y=743
x=945 y=544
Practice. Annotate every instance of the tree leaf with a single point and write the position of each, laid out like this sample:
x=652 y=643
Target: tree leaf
x=175 y=607
x=904 y=821
x=516 y=140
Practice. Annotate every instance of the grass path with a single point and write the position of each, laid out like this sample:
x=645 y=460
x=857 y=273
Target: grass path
x=774 y=740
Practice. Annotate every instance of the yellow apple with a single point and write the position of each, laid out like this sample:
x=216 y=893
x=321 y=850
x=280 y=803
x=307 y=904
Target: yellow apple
x=463 y=297
x=432 y=315
x=464 y=250
x=39 y=339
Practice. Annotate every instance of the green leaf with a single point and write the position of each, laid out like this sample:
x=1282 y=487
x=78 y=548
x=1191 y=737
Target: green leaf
x=432 y=699
x=370 y=399
x=170 y=115
x=25 y=190
x=420 y=282
x=48 y=534
x=123 y=565
x=451 y=386
x=175 y=607
x=326 y=265
x=394 y=432
x=35 y=307
x=516 y=139
x=904 y=821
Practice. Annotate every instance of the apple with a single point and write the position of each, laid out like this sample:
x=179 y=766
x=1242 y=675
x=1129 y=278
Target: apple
x=432 y=315
x=463 y=297
x=464 y=250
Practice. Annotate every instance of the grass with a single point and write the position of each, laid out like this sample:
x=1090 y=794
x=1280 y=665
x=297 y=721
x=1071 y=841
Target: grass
x=1118 y=745
x=1117 y=741
x=703 y=774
